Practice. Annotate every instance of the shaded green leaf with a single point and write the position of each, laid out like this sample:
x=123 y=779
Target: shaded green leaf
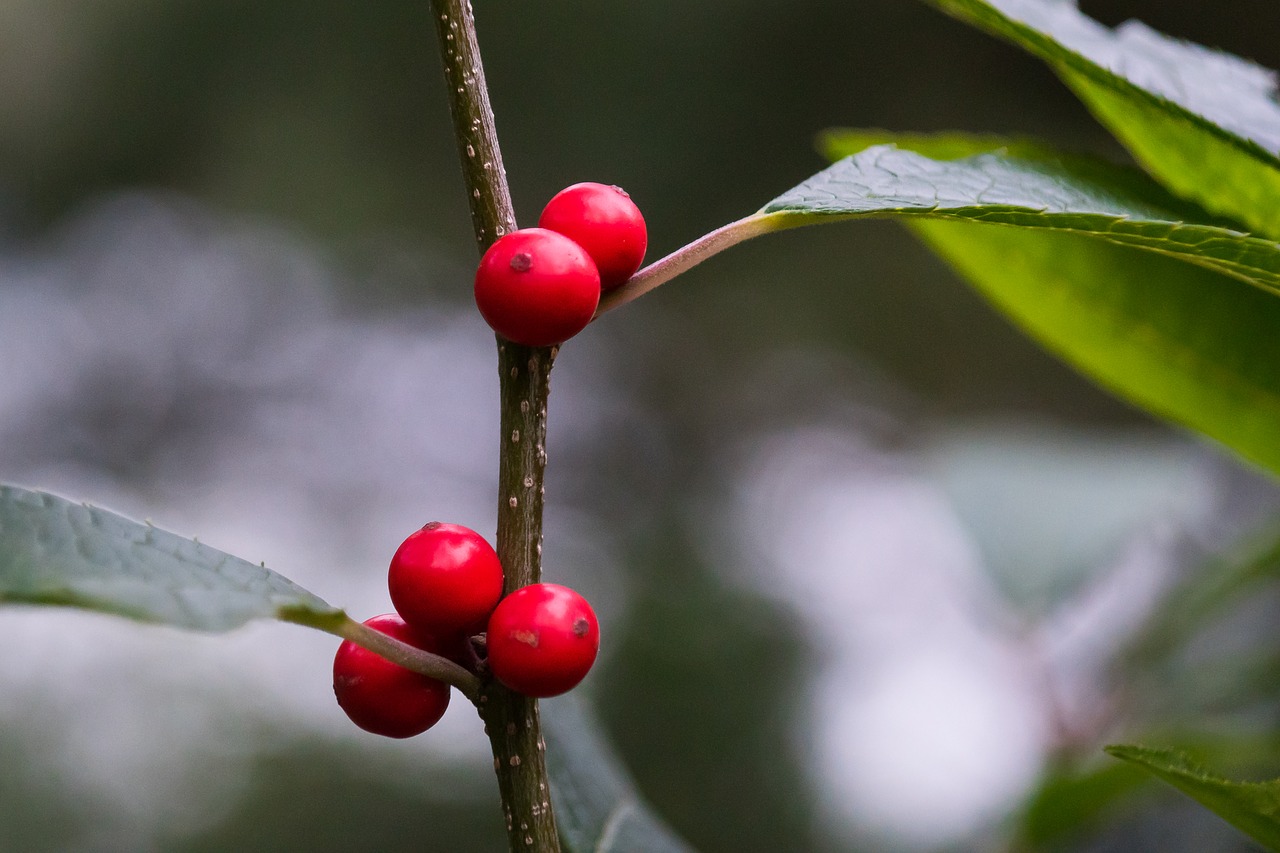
x=1068 y=802
x=1252 y=807
x=598 y=809
x=1179 y=340
x=1204 y=122
x=56 y=552
x=1104 y=268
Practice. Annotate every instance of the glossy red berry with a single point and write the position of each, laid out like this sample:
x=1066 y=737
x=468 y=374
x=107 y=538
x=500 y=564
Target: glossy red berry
x=445 y=579
x=382 y=697
x=604 y=221
x=537 y=287
x=542 y=639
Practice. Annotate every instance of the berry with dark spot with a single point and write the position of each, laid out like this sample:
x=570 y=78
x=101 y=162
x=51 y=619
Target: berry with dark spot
x=542 y=640
x=537 y=287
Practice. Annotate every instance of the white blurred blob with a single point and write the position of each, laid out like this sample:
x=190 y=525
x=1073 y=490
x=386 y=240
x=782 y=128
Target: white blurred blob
x=940 y=696
x=165 y=363
x=931 y=745
x=923 y=725
x=117 y=720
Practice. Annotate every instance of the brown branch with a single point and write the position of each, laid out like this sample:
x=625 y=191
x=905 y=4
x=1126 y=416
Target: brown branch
x=511 y=721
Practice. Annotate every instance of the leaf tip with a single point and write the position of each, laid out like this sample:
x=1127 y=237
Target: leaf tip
x=1119 y=750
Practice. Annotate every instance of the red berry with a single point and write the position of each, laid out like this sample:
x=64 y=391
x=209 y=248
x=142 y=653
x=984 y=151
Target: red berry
x=604 y=221
x=537 y=287
x=445 y=579
x=382 y=697
x=542 y=639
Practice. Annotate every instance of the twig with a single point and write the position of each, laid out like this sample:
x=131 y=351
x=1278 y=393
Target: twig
x=511 y=720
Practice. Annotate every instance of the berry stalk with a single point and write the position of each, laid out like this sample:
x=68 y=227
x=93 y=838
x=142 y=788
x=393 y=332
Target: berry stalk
x=511 y=721
x=399 y=652
x=687 y=257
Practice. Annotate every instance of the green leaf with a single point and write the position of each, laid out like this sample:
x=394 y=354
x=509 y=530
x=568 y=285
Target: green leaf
x=598 y=809
x=1205 y=123
x=1252 y=807
x=1067 y=803
x=1068 y=194
x=54 y=551
x=1179 y=340
x=1104 y=268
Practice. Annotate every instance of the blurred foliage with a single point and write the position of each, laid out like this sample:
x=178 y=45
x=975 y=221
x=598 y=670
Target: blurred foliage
x=696 y=699
x=598 y=809
x=1069 y=802
x=307 y=797
x=301 y=795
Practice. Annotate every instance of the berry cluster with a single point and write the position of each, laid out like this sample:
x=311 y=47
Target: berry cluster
x=446 y=585
x=538 y=287
x=541 y=286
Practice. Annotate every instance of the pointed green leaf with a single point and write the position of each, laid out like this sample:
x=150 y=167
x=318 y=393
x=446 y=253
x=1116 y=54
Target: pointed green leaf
x=598 y=809
x=56 y=552
x=1251 y=807
x=1205 y=123
x=1103 y=268
x=1070 y=195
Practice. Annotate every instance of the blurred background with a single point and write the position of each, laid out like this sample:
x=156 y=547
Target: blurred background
x=874 y=572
